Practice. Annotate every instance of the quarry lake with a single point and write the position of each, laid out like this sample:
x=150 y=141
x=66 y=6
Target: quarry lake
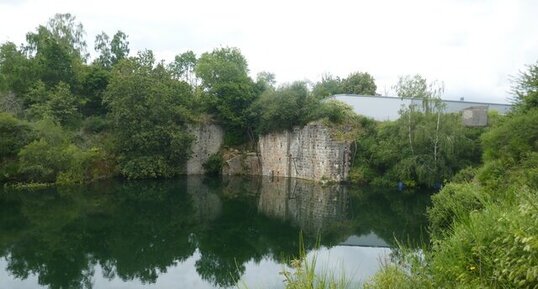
x=196 y=232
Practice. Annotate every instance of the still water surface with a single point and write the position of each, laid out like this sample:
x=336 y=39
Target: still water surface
x=197 y=232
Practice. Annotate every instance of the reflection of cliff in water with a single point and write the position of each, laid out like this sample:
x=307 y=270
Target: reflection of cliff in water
x=308 y=205
x=139 y=230
x=205 y=202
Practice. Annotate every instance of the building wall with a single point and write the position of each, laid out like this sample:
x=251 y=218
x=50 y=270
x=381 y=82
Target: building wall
x=387 y=108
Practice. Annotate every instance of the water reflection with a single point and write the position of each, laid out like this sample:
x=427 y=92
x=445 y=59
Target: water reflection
x=76 y=237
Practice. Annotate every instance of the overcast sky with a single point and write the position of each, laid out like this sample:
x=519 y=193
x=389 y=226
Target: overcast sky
x=473 y=46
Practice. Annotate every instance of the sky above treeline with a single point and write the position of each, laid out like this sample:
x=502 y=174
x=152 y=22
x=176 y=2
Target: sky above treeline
x=474 y=46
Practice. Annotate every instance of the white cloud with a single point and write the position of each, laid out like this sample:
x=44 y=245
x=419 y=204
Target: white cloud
x=473 y=46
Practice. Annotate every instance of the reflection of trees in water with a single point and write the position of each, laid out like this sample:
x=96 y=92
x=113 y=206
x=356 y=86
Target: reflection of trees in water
x=390 y=214
x=136 y=230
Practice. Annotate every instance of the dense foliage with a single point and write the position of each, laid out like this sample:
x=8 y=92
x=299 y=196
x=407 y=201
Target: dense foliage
x=424 y=147
x=66 y=119
x=135 y=112
x=484 y=228
x=361 y=83
x=148 y=111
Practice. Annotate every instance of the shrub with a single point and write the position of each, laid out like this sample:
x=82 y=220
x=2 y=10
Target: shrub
x=94 y=124
x=14 y=134
x=214 y=164
x=453 y=203
x=492 y=248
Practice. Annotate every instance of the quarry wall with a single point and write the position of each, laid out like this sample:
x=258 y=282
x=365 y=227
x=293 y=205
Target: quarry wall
x=308 y=152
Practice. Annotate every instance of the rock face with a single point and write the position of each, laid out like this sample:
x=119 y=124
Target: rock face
x=208 y=139
x=307 y=153
x=242 y=164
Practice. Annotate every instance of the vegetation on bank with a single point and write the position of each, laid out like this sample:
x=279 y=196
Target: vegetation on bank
x=484 y=225
x=66 y=119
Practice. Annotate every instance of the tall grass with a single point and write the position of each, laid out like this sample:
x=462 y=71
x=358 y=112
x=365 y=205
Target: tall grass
x=305 y=274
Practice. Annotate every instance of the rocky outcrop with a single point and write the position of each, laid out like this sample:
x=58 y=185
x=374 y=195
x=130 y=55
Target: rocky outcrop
x=241 y=164
x=309 y=153
x=208 y=139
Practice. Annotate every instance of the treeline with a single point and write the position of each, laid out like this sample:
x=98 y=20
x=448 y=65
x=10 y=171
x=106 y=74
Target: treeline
x=65 y=119
x=484 y=224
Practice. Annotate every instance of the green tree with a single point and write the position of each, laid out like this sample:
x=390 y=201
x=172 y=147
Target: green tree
x=418 y=88
x=183 y=67
x=119 y=47
x=59 y=105
x=148 y=111
x=284 y=107
x=17 y=73
x=424 y=147
x=265 y=80
x=102 y=46
x=93 y=85
x=111 y=51
x=525 y=89
x=359 y=83
x=229 y=89
x=14 y=134
x=329 y=85
x=58 y=50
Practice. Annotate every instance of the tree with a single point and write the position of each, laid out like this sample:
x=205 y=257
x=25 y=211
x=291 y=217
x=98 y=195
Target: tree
x=525 y=89
x=283 y=108
x=228 y=89
x=14 y=134
x=424 y=146
x=147 y=109
x=418 y=87
x=359 y=83
x=119 y=47
x=111 y=52
x=93 y=85
x=102 y=46
x=183 y=68
x=17 y=73
x=59 y=105
x=328 y=86
x=58 y=50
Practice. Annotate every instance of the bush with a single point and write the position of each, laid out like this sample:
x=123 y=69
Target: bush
x=493 y=248
x=14 y=134
x=214 y=164
x=453 y=203
x=41 y=161
x=54 y=159
x=94 y=124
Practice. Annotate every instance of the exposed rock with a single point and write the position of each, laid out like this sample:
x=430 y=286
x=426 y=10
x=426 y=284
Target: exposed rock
x=208 y=139
x=308 y=153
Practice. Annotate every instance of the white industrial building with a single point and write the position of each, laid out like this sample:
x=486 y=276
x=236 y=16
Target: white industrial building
x=387 y=107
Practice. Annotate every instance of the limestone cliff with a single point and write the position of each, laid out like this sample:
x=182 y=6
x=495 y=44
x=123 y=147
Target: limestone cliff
x=309 y=153
x=208 y=139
